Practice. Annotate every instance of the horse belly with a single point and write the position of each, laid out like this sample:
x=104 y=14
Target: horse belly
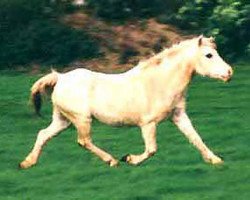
x=112 y=118
x=115 y=109
x=115 y=115
x=116 y=103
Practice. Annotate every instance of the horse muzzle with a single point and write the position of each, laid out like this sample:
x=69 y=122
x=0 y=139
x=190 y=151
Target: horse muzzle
x=228 y=76
x=226 y=79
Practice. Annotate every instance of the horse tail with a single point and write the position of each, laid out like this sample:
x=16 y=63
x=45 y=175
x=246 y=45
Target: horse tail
x=39 y=88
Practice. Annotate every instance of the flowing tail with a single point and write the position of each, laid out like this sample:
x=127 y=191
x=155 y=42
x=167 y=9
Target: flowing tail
x=39 y=88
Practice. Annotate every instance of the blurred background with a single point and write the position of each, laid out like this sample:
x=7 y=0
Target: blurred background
x=113 y=35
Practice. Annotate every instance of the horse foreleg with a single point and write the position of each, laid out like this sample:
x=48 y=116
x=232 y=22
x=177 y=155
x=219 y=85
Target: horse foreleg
x=183 y=122
x=58 y=124
x=149 y=137
x=84 y=139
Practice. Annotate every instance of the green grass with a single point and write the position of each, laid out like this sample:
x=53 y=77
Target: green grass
x=65 y=171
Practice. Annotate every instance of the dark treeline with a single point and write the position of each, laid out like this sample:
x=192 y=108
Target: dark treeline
x=30 y=30
x=227 y=20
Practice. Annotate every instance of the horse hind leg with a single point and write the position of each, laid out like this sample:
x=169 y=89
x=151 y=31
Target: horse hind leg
x=59 y=123
x=84 y=140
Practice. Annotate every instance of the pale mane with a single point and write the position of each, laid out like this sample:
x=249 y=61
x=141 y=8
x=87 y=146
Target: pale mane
x=173 y=51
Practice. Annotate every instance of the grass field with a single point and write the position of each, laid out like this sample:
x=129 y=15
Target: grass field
x=65 y=171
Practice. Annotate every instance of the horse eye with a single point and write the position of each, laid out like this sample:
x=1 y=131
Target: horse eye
x=209 y=55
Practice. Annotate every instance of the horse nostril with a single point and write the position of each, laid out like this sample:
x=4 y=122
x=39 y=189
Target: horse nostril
x=230 y=72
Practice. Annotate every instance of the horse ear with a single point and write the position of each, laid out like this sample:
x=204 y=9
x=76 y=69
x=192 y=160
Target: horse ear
x=200 y=40
x=211 y=39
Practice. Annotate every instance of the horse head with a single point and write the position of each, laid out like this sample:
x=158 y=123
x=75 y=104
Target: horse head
x=209 y=63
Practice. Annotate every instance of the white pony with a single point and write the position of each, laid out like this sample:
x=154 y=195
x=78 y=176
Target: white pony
x=144 y=96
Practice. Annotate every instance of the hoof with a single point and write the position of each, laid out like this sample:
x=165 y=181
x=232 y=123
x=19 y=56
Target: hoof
x=214 y=160
x=25 y=164
x=217 y=161
x=125 y=158
x=113 y=163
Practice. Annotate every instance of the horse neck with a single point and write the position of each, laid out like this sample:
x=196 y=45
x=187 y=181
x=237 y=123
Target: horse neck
x=174 y=74
x=183 y=72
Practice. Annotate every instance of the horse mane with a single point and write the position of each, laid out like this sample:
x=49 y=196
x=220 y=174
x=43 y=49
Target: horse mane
x=172 y=51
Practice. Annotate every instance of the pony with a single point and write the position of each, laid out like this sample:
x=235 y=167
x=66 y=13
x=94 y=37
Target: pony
x=152 y=91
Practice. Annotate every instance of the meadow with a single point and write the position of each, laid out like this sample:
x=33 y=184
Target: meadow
x=219 y=111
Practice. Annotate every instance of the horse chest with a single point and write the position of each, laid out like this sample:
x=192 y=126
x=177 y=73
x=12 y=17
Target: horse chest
x=169 y=101
x=164 y=108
